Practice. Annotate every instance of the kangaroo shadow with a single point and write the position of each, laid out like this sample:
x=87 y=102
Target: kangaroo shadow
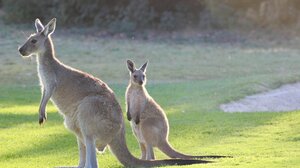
x=57 y=143
x=8 y=120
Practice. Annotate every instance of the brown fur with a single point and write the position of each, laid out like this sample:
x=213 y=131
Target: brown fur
x=148 y=120
x=88 y=105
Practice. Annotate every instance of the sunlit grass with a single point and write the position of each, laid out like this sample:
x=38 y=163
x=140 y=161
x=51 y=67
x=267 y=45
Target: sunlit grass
x=253 y=139
x=188 y=79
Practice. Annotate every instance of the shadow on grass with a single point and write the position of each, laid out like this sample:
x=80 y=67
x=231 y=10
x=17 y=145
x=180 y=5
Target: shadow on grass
x=18 y=95
x=58 y=143
x=213 y=127
x=8 y=120
x=201 y=129
x=206 y=130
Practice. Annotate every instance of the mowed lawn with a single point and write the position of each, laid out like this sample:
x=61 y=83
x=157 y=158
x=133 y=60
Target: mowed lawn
x=189 y=78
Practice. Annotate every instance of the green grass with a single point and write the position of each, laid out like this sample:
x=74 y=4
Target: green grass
x=189 y=79
x=254 y=139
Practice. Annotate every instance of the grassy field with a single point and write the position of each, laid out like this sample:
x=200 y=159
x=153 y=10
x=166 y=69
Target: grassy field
x=189 y=78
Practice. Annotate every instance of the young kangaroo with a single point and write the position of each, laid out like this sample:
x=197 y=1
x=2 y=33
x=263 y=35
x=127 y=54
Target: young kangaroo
x=148 y=120
x=88 y=105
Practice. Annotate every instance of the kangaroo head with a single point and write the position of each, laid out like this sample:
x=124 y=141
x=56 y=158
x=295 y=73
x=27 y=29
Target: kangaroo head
x=137 y=76
x=35 y=42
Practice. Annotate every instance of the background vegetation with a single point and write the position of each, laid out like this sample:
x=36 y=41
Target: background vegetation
x=132 y=15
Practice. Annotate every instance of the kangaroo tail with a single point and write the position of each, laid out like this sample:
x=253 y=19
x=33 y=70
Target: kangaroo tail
x=119 y=149
x=166 y=148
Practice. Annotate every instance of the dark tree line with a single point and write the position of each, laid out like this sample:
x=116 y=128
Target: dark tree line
x=131 y=15
x=113 y=14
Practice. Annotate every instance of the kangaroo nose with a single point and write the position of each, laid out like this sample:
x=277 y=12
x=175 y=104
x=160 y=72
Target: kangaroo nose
x=140 y=82
x=20 y=49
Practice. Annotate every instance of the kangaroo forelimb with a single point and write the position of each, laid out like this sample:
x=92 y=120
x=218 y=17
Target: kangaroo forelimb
x=128 y=113
x=47 y=93
x=137 y=118
x=128 y=116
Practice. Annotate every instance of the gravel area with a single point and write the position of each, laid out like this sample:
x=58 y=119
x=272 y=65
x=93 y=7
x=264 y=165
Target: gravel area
x=283 y=99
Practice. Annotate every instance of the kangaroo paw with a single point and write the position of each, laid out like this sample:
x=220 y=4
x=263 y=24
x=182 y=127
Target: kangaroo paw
x=42 y=119
x=137 y=120
x=128 y=116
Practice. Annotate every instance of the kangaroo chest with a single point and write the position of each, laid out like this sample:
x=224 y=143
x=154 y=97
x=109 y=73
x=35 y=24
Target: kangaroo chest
x=137 y=101
x=61 y=96
x=46 y=75
x=49 y=82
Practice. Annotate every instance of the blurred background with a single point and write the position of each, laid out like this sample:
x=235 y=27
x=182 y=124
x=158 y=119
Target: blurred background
x=133 y=15
x=241 y=47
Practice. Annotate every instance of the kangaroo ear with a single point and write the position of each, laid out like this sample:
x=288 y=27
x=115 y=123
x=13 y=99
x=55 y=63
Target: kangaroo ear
x=38 y=25
x=144 y=67
x=131 y=66
x=50 y=27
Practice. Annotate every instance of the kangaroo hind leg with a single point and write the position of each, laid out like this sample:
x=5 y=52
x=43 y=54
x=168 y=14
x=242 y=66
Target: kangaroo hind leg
x=91 y=160
x=149 y=152
x=82 y=153
x=144 y=151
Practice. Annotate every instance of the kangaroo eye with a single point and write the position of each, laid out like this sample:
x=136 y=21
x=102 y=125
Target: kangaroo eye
x=33 y=41
x=134 y=76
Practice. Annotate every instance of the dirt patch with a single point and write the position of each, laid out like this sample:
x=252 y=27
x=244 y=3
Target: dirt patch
x=285 y=98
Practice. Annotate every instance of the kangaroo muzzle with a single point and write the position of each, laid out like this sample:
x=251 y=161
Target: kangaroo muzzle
x=23 y=51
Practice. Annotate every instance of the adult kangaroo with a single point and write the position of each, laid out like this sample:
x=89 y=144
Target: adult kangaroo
x=89 y=106
x=148 y=121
